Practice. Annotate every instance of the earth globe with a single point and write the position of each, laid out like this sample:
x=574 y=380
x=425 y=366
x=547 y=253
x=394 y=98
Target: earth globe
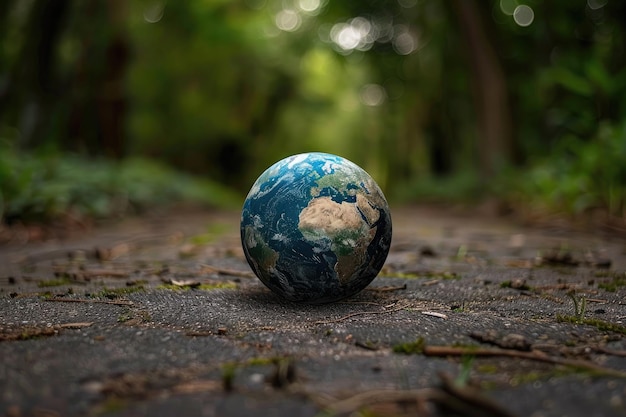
x=315 y=228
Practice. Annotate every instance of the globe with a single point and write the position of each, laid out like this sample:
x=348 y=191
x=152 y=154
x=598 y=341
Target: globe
x=315 y=228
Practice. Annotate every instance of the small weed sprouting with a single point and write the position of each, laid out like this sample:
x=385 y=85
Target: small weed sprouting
x=580 y=305
x=125 y=316
x=461 y=253
x=284 y=373
x=46 y=295
x=459 y=308
x=466 y=368
x=228 y=376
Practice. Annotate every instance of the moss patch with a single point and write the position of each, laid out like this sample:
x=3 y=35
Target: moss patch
x=218 y=285
x=134 y=317
x=533 y=376
x=114 y=293
x=426 y=274
x=57 y=282
x=214 y=230
x=517 y=285
x=205 y=286
x=599 y=324
x=410 y=348
x=617 y=281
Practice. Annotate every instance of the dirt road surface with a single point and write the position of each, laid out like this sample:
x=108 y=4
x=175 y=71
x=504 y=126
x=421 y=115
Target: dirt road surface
x=160 y=316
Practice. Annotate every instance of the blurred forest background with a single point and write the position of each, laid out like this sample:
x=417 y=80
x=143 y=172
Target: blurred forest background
x=113 y=106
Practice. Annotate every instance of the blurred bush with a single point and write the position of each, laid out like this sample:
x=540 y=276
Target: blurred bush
x=50 y=186
x=579 y=177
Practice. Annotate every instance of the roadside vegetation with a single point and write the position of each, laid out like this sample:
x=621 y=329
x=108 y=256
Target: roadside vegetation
x=48 y=187
x=581 y=178
x=587 y=181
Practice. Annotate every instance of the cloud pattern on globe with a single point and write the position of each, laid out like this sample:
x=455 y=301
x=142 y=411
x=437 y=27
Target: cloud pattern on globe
x=315 y=228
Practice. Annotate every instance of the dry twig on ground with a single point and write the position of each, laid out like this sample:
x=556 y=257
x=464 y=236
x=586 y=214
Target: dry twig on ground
x=82 y=300
x=533 y=355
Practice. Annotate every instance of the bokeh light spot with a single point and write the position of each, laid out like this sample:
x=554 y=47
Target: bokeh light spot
x=373 y=95
x=407 y=4
x=310 y=6
x=404 y=42
x=256 y=4
x=508 y=6
x=523 y=15
x=345 y=36
x=288 y=20
x=154 y=12
x=596 y=4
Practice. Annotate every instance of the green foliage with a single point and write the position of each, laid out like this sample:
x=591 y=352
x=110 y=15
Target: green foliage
x=459 y=187
x=206 y=97
x=216 y=88
x=44 y=187
x=571 y=110
x=579 y=176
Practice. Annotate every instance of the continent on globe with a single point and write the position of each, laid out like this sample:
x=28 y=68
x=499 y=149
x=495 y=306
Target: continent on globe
x=315 y=228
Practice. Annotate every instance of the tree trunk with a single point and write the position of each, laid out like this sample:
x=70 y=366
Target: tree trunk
x=99 y=104
x=31 y=87
x=489 y=89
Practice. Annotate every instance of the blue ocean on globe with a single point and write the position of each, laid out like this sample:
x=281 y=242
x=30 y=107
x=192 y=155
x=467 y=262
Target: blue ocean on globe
x=315 y=228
